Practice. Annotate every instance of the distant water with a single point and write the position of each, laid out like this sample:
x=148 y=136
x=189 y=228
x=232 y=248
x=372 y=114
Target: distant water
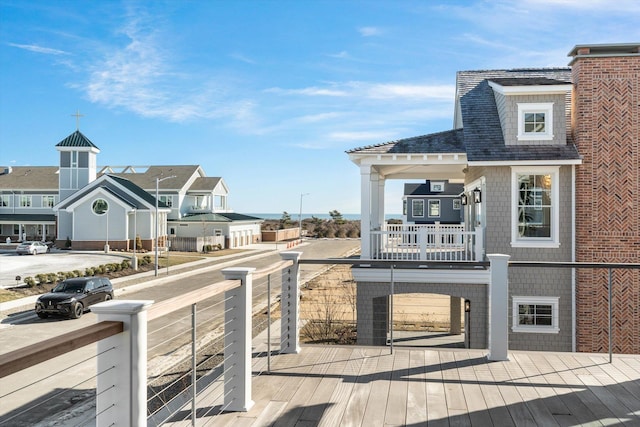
x=294 y=216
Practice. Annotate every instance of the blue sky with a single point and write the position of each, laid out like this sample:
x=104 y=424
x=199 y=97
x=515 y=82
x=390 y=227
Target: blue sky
x=266 y=94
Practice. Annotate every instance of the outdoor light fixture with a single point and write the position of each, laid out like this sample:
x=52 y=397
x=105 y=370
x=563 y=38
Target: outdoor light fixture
x=463 y=199
x=477 y=195
x=467 y=306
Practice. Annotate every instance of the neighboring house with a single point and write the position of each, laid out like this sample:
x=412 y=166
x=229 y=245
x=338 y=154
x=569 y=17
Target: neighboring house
x=433 y=202
x=550 y=160
x=108 y=208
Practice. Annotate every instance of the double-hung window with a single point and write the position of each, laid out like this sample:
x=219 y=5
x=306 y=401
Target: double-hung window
x=535 y=207
x=25 y=201
x=417 y=208
x=535 y=121
x=167 y=200
x=434 y=208
x=5 y=200
x=535 y=314
x=48 y=201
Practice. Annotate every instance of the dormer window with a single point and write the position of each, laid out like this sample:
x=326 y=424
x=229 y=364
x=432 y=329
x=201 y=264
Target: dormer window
x=535 y=121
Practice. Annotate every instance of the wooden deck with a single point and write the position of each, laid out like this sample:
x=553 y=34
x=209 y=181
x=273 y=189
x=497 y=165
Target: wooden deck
x=367 y=386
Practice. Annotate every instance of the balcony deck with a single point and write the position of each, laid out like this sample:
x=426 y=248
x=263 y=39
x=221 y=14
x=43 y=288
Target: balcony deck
x=340 y=385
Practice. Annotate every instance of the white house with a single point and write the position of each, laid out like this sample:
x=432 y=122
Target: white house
x=94 y=207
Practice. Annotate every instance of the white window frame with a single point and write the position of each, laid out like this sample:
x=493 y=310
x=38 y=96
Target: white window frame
x=48 y=201
x=5 y=200
x=167 y=200
x=26 y=201
x=436 y=186
x=413 y=208
x=543 y=107
x=434 y=202
x=536 y=242
x=554 y=302
x=457 y=203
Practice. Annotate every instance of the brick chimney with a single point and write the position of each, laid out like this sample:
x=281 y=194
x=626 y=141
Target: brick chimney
x=606 y=130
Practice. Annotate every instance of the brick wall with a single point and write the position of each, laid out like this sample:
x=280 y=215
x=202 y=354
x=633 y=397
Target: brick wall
x=606 y=130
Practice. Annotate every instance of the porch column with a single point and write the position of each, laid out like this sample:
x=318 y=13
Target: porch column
x=455 y=316
x=365 y=212
x=375 y=201
x=380 y=207
x=498 y=307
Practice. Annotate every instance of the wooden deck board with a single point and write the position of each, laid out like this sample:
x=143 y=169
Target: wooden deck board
x=367 y=386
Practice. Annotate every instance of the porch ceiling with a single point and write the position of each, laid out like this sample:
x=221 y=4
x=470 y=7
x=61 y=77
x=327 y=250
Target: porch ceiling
x=415 y=166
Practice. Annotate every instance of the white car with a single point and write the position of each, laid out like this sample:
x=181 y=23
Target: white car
x=33 y=248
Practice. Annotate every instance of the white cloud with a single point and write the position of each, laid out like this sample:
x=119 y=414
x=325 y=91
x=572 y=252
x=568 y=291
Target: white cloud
x=242 y=58
x=386 y=91
x=606 y=5
x=142 y=77
x=369 y=31
x=39 y=49
x=341 y=55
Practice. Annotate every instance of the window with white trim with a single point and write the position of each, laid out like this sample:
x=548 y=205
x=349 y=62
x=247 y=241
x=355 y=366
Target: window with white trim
x=535 y=315
x=25 y=201
x=5 y=200
x=535 y=207
x=48 y=201
x=167 y=200
x=434 y=208
x=417 y=208
x=535 y=121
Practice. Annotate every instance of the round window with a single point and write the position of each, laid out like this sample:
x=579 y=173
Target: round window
x=100 y=207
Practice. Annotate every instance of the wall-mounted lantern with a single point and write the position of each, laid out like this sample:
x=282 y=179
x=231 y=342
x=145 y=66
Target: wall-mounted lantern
x=477 y=195
x=463 y=199
x=467 y=306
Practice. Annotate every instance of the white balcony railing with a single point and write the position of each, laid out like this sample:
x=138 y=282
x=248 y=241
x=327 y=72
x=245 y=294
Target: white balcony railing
x=427 y=242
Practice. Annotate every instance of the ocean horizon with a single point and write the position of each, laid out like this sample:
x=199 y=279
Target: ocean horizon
x=294 y=216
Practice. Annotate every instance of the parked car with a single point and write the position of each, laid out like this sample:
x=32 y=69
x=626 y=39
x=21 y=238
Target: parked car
x=33 y=248
x=73 y=297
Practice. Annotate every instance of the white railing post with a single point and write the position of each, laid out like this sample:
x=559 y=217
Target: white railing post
x=290 y=305
x=498 y=307
x=121 y=391
x=237 y=340
x=479 y=244
x=421 y=235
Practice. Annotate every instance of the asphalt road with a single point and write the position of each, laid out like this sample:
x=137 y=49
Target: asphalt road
x=165 y=335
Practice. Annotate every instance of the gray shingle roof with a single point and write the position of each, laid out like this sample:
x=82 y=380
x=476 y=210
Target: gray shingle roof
x=147 y=179
x=483 y=136
x=205 y=183
x=529 y=81
x=30 y=178
x=76 y=139
x=450 y=141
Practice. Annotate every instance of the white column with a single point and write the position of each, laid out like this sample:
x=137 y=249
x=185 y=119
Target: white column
x=121 y=393
x=375 y=201
x=289 y=305
x=237 y=340
x=381 y=182
x=365 y=212
x=498 y=307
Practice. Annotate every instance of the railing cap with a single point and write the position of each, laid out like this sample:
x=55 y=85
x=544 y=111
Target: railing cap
x=121 y=306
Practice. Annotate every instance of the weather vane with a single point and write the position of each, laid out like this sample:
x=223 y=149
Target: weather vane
x=77 y=115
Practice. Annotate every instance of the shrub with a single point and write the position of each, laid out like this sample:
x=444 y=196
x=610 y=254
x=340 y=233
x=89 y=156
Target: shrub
x=29 y=281
x=42 y=278
x=146 y=259
x=125 y=264
x=61 y=276
x=138 y=242
x=52 y=277
x=100 y=269
x=67 y=243
x=89 y=271
x=77 y=273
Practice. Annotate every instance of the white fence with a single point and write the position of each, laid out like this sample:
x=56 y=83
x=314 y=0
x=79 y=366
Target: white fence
x=427 y=242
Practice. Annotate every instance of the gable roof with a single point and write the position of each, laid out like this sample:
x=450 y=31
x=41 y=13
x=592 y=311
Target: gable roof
x=205 y=183
x=147 y=179
x=30 y=178
x=424 y=189
x=76 y=139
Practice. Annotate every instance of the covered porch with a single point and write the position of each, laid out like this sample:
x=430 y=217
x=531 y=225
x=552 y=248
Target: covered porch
x=435 y=157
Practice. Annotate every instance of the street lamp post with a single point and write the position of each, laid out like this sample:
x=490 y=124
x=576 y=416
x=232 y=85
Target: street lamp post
x=300 y=216
x=158 y=180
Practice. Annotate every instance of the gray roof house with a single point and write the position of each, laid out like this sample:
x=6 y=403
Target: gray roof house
x=108 y=207
x=515 y=146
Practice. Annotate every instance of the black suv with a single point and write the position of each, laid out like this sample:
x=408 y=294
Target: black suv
x=73 y=296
